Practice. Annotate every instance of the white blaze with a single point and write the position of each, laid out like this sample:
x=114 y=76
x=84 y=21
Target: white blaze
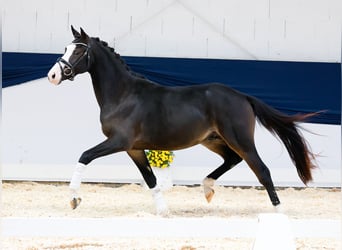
x=55 y=73
x=69 y=50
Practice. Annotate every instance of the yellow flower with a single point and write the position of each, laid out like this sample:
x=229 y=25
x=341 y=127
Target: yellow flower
x=160 y=158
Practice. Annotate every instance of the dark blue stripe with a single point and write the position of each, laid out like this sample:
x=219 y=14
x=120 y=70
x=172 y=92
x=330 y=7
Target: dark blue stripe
x=18 y=68
x=291 y=87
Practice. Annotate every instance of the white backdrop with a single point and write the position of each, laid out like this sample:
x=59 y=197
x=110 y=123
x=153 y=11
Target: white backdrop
x=46 y=128
x=295 y=30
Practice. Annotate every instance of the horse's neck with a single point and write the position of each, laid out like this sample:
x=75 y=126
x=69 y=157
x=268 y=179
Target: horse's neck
x=110 y=79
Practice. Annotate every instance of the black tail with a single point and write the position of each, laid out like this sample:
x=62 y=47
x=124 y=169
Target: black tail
x=285 y=127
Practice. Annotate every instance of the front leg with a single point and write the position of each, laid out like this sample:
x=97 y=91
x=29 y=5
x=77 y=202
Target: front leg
x=109 y=146
x=75 y=184
x=140 y=160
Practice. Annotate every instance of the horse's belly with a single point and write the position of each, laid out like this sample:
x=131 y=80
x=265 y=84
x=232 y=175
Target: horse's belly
x=173 y=141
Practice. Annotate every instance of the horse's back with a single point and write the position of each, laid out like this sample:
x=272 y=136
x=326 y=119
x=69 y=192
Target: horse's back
x=210 y=99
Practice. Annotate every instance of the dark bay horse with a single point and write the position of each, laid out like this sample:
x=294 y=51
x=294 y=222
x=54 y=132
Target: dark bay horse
x=214 y=115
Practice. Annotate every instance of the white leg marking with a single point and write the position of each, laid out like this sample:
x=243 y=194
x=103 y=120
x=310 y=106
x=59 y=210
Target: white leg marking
x=161 y=206
x=76 y=179
x=278 y=209
x=208 y=184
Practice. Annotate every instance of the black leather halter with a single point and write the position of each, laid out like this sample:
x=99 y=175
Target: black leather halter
x=68 y=71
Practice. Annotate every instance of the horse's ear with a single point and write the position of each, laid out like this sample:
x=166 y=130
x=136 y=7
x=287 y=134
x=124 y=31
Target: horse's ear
x=84 y=35
x=75 y=32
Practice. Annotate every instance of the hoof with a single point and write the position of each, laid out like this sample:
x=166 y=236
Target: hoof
x=278 y=209
x=161 y=207
x=209 y=192
x=163 y=212
x=75 y=202
x=209 y=195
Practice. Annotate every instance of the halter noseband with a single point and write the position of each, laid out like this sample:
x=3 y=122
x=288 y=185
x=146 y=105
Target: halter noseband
x=68 y=72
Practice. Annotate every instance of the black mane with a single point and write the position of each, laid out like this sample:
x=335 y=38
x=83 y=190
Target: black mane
x=118 y=57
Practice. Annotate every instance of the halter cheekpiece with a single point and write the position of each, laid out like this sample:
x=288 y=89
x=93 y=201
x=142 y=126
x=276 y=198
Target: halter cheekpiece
x=68 y=72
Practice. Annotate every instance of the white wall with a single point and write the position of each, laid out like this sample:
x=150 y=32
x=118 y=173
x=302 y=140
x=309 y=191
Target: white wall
x=46 y=128
x=295 y=30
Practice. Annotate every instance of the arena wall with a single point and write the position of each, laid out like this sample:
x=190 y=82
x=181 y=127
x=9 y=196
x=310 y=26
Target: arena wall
x=306 y=30
x=46 y=128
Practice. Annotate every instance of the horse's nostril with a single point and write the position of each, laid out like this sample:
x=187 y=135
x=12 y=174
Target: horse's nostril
x=53 y=76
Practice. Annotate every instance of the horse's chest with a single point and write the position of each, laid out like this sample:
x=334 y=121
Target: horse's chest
x=117 y=120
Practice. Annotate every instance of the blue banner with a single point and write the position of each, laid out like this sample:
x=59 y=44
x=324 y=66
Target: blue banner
x=291 y=87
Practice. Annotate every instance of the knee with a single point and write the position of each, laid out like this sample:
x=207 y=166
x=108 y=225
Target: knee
x=85 y=158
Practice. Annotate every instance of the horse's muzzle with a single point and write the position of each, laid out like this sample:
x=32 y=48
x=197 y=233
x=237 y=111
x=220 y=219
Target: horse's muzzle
x=55 y=75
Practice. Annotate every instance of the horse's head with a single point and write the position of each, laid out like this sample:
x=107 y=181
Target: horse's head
x=74 y=61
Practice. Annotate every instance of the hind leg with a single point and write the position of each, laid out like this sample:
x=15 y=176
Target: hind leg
x=260 y=170
x=140 y=160
x=240 y=137
x=263 y=174
x=230 y=158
